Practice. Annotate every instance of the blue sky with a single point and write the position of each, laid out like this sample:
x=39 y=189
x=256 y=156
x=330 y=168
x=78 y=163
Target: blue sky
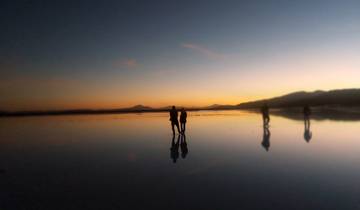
x=67 y=54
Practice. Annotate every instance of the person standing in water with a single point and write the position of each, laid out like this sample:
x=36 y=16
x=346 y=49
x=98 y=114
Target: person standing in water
x=183 y=116
x=174 y=119
x=307 y=113
x=265 y=114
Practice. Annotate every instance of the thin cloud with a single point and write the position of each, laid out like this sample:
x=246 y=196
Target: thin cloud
x=203 y=50
x=128 y=62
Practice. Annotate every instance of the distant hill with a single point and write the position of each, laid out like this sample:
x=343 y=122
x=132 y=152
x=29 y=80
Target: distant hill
x=345 y=97
x=218 y=107
x=139 y=108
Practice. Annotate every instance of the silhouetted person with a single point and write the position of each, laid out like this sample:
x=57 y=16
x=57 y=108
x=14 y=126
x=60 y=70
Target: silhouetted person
x=265 y=114
x=307 y=113
x=266 y=138
x=174 y=150
x=183 y=116
x=307 y=132
x=174 y=119
x=183 y=146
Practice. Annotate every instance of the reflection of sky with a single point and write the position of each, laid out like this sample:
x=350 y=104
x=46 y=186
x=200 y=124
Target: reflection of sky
x=128 y=156
x=60 y=55
x=237 y=132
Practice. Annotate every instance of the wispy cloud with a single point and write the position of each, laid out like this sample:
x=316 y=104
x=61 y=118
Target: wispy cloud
x=127 y=62
x=203 y=50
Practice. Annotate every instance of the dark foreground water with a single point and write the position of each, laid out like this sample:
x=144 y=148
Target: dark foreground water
x=129 y=161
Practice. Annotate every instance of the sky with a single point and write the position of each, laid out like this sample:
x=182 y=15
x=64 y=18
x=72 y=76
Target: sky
x=110 y=54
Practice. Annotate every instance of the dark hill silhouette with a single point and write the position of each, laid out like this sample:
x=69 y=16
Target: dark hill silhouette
x=214 y=106
x=219 y=107
x=345 y=97
x=139 y=108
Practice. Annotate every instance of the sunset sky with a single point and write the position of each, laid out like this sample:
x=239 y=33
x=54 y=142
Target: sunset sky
x=107 y=54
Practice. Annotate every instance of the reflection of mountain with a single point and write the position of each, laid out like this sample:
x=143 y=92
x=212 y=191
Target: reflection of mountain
x=321 y=113
x=346 y=97
x=137 y=108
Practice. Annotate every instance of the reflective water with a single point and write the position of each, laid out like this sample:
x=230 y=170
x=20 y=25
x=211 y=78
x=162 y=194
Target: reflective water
x=131 y=161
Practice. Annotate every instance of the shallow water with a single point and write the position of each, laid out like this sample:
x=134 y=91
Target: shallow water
x=124 y=161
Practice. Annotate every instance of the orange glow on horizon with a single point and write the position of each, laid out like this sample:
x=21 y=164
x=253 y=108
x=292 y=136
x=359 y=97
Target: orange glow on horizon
x=231 y=85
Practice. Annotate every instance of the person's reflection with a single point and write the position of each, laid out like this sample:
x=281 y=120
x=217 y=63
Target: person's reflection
x=183 y=146
x=174 y=150
x=307 y=131
x=266 y=138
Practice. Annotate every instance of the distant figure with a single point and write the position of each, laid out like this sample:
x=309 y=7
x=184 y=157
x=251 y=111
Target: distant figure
x=307 y=132
x=265 y=114
x=183 y=116
x=174 y=119
x=266 y=138
x=307 y=112
x=174 y=149
x=183 y=146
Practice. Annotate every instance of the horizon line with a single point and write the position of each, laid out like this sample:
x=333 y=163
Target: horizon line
x=128 y=108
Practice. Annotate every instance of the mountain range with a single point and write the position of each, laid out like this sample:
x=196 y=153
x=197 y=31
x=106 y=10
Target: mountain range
x=344 y=97
x=333 y=98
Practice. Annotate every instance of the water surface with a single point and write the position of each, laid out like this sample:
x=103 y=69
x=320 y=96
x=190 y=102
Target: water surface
x=125 y=161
